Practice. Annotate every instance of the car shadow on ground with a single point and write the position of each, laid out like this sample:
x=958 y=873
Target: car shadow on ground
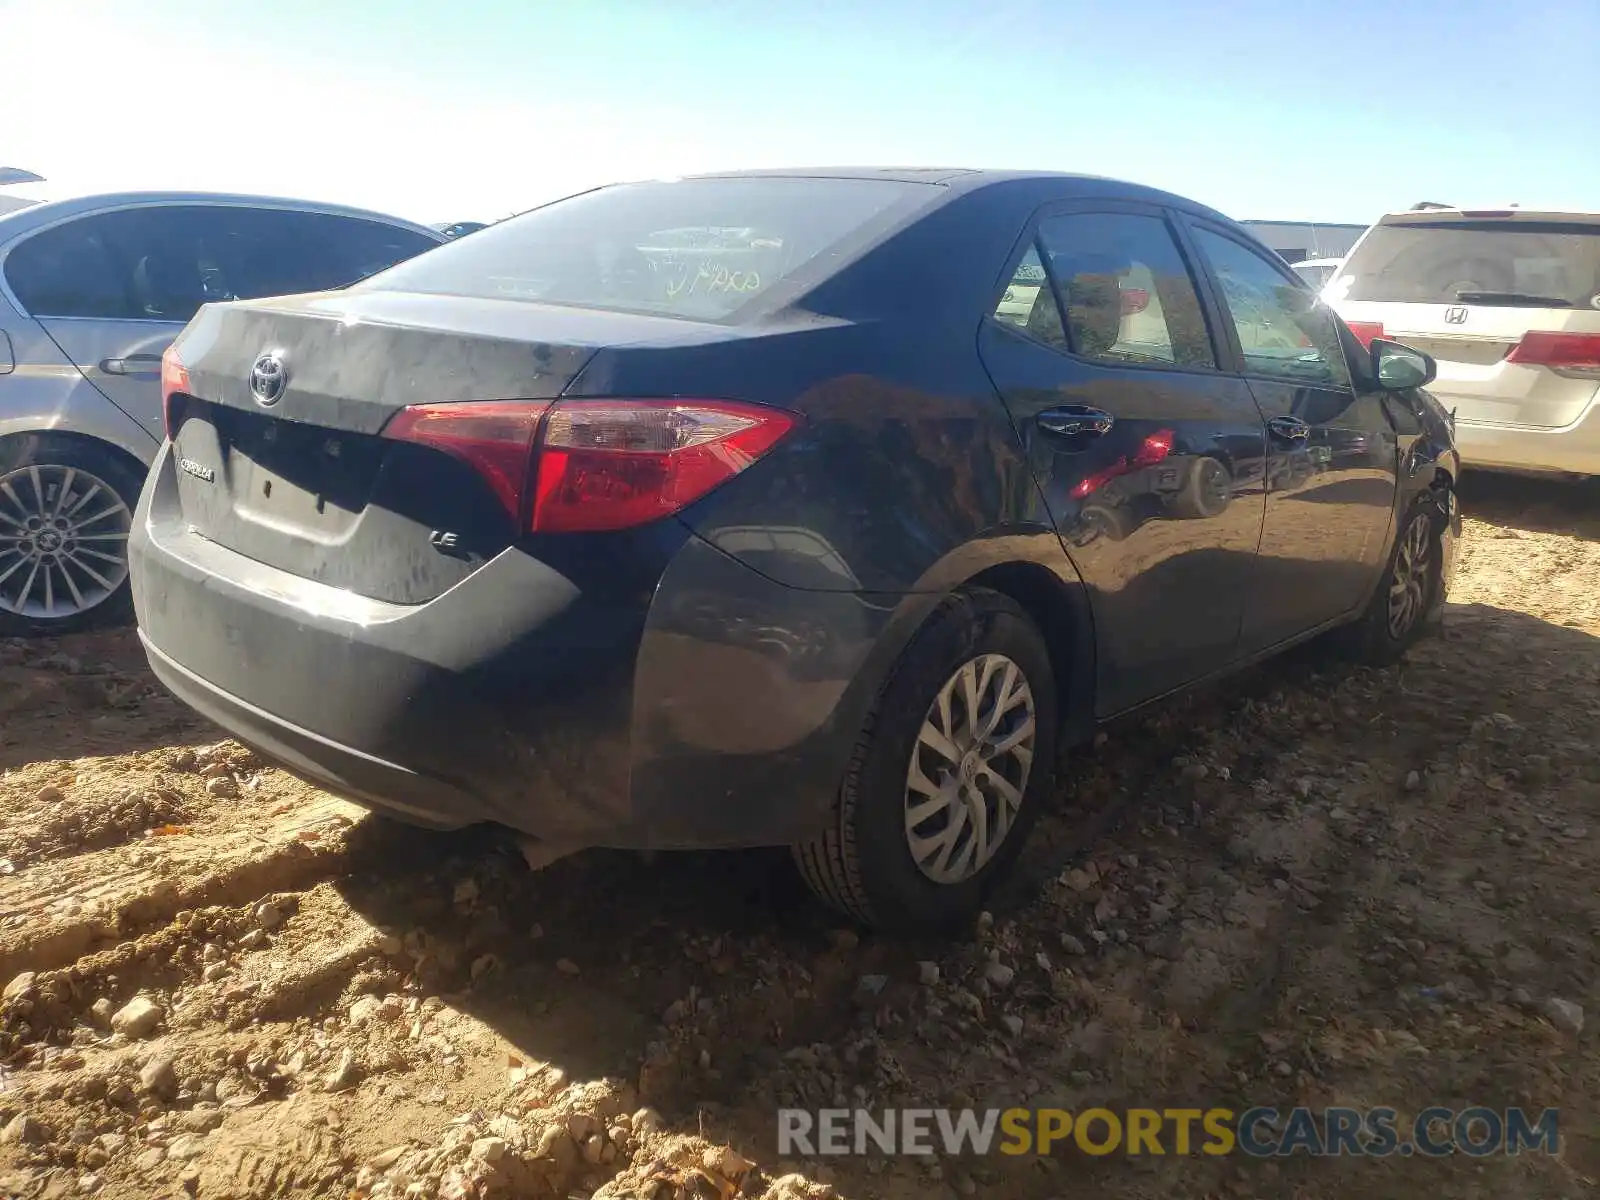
x=1533 y=505
x=592 y=963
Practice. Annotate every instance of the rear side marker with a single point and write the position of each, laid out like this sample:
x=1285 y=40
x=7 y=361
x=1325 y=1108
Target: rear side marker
x=174 y=384
x=592 y=465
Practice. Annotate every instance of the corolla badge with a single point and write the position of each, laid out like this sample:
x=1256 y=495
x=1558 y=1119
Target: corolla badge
x=268 y=378
x=204 y=473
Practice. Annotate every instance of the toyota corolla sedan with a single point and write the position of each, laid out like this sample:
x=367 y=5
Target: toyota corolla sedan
x=766 y=509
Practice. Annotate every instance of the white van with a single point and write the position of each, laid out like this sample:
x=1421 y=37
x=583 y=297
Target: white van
x=1316 y=271
x=1508 y=302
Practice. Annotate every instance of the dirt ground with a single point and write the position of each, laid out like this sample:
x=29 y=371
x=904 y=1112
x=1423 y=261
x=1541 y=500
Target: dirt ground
x=1312 y=885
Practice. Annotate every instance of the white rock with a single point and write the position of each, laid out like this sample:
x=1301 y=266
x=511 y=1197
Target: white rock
x=21 y=1130
x=137 y=1018
x=647 y=1120
x=186 y=1146
x=159 y=1077
x=1564 y=1014
x=999 y=974
x=382 y=1162
x=725 y=1161
x=345 y=1075
x=928 y=973
x=489 y=1149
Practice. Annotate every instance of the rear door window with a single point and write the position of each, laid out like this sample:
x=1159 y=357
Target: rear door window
x=1520 y=263
x=1029 y=304
x=699 y=248
x=1127 y=294
x=70 y=270
x=252 y=252
x=162 y=262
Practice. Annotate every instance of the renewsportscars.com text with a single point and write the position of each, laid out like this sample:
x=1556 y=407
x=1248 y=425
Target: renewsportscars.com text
x=1260 y=1132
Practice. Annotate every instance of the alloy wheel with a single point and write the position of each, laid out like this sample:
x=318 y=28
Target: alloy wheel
x=63 y=541
x=969 y=768
x=1407 y=590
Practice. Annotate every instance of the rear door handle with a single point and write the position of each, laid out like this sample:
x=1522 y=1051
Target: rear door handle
x=134 y=364
x=1290 y=429
x=1075 y=420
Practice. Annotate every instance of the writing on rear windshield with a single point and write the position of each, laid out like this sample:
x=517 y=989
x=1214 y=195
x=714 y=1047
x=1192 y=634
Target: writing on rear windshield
x=701 y=249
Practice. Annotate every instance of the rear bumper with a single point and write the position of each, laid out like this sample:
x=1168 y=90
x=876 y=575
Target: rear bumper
x=686 y=701
x=1573 y=449
x=381 y=785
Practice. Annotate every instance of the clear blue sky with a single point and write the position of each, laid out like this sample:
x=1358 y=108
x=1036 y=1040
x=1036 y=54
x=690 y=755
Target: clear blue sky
x=446 y=111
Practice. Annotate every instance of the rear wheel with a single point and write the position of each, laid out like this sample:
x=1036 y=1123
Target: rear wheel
x=1397 y=614
x=949 y=774
x=66 y=508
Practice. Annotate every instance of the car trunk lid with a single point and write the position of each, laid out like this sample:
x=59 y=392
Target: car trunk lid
x=303 y=480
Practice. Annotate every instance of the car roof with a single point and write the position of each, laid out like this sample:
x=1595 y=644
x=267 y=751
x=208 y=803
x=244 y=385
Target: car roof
x=1433 y=212
x=1059 y=184
x=37 y=216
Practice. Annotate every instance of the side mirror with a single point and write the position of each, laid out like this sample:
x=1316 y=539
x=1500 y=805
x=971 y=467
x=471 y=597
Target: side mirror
x=1397 y=368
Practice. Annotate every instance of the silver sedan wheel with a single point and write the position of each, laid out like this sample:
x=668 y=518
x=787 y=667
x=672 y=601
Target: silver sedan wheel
x=969 y=769
x=63 y=541
x=1408 y=591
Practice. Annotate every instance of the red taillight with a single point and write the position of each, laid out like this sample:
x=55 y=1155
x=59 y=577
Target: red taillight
x=610 y=464
x=600 y=464
x=1365 y=331
x=1560 y=351
x=174 y=381
x=1134 y=300
x=495 y=437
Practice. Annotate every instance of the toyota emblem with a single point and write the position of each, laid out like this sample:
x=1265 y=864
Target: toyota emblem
x=268 y=377
x=1455 y=315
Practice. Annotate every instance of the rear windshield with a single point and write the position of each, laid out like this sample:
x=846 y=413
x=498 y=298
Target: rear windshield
x=1545 y=264
x=699 y=248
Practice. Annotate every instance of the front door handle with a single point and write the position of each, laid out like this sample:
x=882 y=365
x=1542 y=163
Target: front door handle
x=1075 y=420
x=134 y=364
x=1290 y=429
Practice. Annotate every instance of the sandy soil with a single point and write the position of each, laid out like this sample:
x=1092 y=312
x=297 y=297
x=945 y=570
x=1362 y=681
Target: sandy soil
x=1311 y=885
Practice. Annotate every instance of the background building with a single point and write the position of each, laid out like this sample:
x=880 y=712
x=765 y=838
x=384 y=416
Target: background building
x=1295 y=241
x=16 y=175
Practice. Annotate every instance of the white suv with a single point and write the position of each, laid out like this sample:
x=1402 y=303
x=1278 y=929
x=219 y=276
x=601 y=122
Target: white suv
x=1508 y=302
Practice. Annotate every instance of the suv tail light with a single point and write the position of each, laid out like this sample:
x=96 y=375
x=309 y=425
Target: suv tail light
x=591 y=465
x=1365 y=331
x=1558 y=351
x=174 y=382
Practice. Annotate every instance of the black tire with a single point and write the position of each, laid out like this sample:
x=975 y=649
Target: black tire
x=863 y=864
x=110 y=467
x=1374 y=638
